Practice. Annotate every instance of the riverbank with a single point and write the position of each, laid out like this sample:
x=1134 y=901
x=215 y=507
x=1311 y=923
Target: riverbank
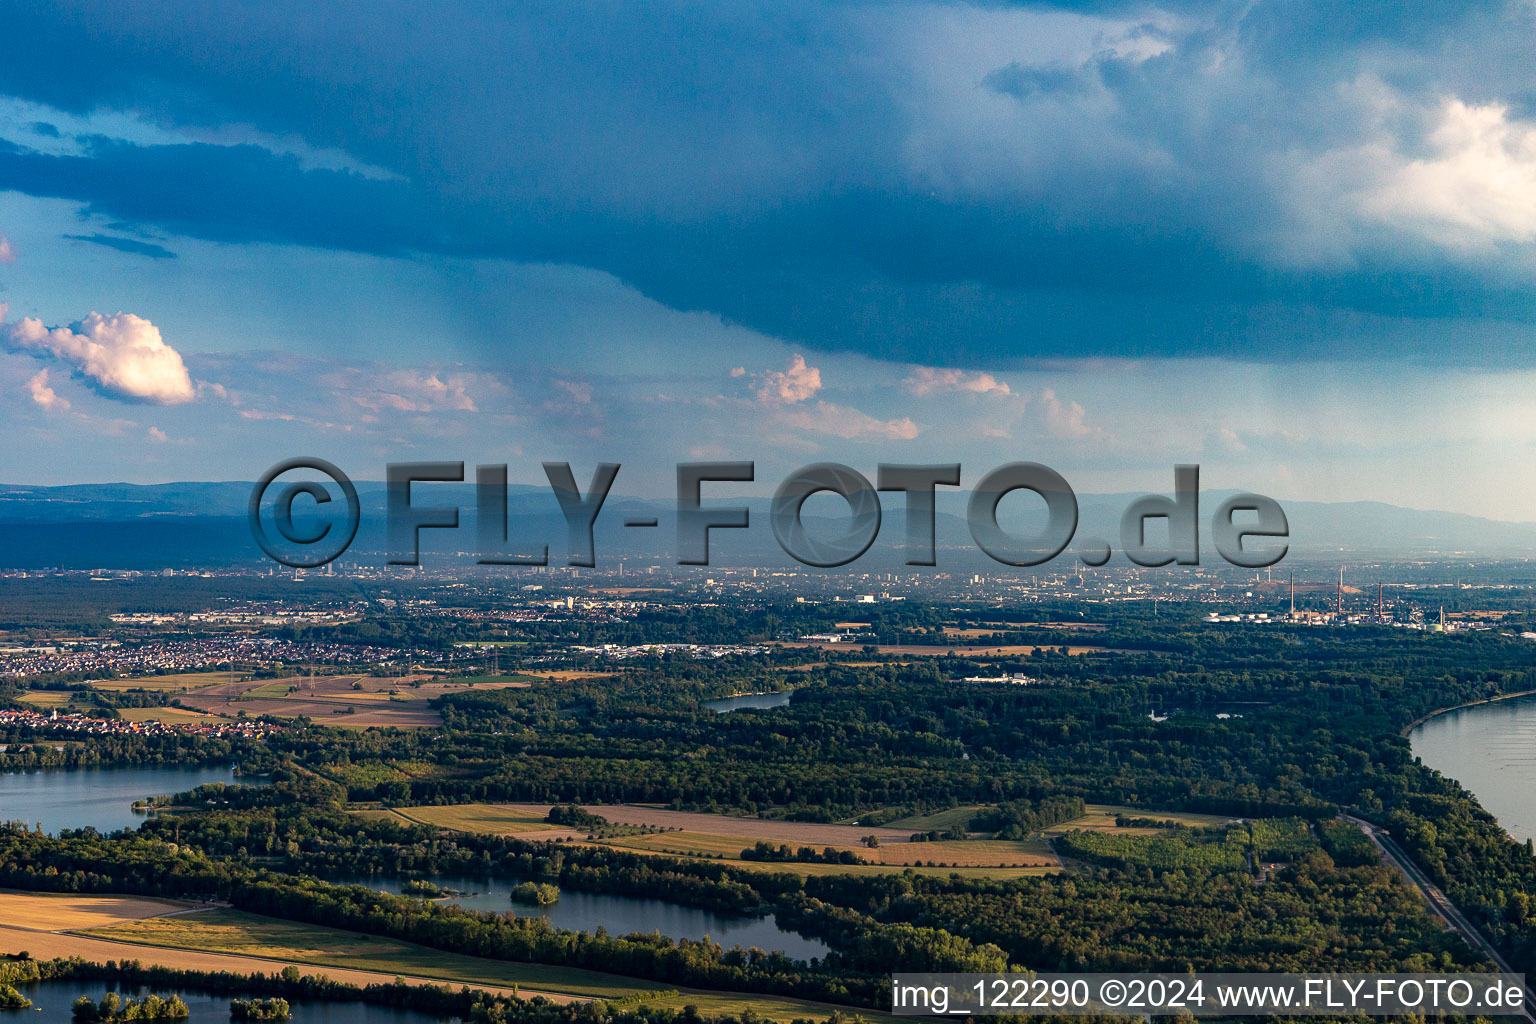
x=1457 y=707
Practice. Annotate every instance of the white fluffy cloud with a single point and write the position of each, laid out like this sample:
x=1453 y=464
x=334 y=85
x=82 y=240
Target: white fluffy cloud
x=1475 y=184
x=928 y=380
x=795 y=384
x=1062 y=417
x=415 y=391
x=850 y=424
x=44 y=395
x=122 y=355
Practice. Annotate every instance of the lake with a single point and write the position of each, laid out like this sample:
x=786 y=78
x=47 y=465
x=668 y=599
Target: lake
x=721 y=705
x=1491 y=750
x=98 y=797
x=51 y=1001
x=588 y=911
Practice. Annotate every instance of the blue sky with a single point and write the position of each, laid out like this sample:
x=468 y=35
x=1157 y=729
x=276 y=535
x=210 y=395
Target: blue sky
x=1295 y=243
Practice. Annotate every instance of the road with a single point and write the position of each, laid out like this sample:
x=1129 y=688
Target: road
x=1441 y=904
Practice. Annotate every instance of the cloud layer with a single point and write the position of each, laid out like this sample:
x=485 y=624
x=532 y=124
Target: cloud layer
x=951 y=184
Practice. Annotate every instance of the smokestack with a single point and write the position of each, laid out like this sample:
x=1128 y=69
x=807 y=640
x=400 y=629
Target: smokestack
x=1381 y=615
x=1340 y=599
x=1293 y=593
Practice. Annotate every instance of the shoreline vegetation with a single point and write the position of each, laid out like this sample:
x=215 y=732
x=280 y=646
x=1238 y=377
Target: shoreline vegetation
x=1408 y=729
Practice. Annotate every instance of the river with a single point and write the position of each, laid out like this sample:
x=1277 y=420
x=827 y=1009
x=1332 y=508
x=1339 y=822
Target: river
x=621 y=915
x=98 y=797
x=1491 y=750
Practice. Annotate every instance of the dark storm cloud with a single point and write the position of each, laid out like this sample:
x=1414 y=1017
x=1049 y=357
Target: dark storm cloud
x=939 y=183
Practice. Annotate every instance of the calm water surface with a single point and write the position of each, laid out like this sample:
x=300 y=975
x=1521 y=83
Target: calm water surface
x=749 y=700
x=1491 y=750
x=99 y=797
x=621 y=915
x=51 y=1002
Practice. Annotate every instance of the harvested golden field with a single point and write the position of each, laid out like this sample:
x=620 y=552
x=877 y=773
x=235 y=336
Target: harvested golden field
x=971 y=853
x=497 y=819
x=48 y=945
x=991 y=853
x=795 y=833
x=686 y=844
x=270 y=938
x=61 y=912
x=267 y=941
x=635 y=844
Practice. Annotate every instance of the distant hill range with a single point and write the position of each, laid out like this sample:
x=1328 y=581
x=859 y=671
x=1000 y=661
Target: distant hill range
x=204 y=524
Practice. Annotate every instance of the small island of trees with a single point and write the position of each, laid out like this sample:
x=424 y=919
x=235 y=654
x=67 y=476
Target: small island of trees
x=259 y=1009
x=540 y=894
x=113 y=1007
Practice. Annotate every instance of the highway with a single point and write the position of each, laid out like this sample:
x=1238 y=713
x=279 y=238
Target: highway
x=1440 y=903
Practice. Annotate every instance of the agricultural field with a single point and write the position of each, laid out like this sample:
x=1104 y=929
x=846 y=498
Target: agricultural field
x=235 y=932
x=355 y=701
x=268 y=690
x=988 y=853
x=721 y=837
x=174 y=682
x=482 y=682
x=46 y=698
x=1101 y=818
x=48 y=945
x=170 y=716
x=745 y=830
x=59 y=912
x=940 y=821
x=807 y=869
x=496 y=819
x=351 y=700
